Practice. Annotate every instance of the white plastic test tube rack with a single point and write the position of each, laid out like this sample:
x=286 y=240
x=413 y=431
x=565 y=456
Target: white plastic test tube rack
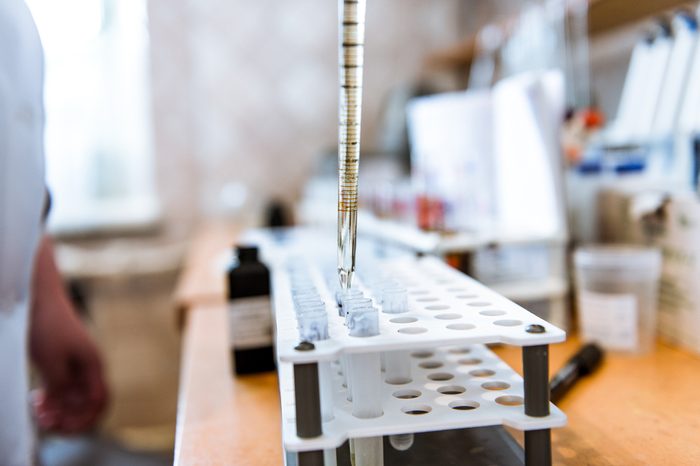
x=438 y=374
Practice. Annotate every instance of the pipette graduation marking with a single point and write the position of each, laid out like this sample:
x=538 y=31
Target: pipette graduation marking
x=351 y=58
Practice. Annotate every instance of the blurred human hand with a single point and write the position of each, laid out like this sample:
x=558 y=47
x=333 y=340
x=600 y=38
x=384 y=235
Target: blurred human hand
x=74 y=394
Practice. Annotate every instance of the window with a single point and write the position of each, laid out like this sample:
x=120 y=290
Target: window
x=99 y=156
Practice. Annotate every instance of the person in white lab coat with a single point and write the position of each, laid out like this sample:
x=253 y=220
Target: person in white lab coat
x=37 y=321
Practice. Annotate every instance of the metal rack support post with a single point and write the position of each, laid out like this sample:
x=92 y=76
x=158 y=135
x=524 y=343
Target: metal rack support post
x=538 y=443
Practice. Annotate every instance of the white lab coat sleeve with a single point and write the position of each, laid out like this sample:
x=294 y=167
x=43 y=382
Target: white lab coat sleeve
x=15 y=433
x=16 y=437
x=21 y=199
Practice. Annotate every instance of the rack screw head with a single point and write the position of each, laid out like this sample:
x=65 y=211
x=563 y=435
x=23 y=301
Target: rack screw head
x=535 y=328
x=305 y=346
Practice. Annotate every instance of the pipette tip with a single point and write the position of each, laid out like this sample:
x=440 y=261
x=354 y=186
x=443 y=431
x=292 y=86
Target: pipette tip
x=345 y=277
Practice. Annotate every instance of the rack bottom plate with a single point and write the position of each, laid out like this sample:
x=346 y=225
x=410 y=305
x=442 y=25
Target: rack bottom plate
x=456 y=387
x=481 y=446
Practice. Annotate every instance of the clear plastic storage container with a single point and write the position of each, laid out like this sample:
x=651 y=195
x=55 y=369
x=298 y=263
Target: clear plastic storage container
x=616 y=288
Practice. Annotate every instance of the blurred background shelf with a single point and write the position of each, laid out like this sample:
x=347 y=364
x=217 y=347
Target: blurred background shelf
x=427 y=242
x=604 y=16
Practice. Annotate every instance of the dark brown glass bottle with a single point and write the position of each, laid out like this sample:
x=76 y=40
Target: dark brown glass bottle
x=250 y=313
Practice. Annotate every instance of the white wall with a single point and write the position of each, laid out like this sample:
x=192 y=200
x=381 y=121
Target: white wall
x=246 y=91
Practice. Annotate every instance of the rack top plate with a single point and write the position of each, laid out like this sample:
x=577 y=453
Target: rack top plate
x=446 y=307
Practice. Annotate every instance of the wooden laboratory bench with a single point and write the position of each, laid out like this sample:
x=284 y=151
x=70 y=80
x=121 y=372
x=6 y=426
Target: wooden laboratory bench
x=202 y=279
x=636 y=410
x=223 y=420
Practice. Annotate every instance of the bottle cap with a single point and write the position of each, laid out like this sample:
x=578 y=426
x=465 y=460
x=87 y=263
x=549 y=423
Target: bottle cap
x=247 y=253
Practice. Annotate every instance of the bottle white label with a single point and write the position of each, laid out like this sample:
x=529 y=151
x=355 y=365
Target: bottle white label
x=610 y=319
x=250 y=322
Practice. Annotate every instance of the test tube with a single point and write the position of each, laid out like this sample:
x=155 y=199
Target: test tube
x=301 y=304
x=390 y=285
x=306 y=296
x=365 y=371
x=325 y=374
x=309 y=305
x=398 y=371
x=363 y=322
x=301 y=292
x=329 y=457
x=401 y=442
x=313 y=324
x=342 y=295
x=394 y=300
x=384 y=283
x=344 y=362
x=302 y=288
x=397 y=367
x=355 y=303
